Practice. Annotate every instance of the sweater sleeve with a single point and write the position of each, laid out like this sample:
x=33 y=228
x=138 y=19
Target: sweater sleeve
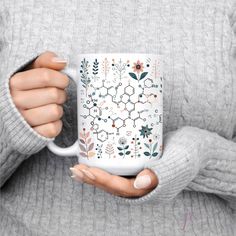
x=232 y=16
x=193 y=159
x=18 y=140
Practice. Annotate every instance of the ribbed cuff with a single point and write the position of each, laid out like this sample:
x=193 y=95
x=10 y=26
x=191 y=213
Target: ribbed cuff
x=185 y=151
x=19 y=133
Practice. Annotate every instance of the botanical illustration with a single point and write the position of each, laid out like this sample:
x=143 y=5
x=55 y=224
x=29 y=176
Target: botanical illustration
x=123 y=148
x=152 y=147
x=99 y=150
x=95 y=70
x=105 y=67
x=119 y=67
x=85 y=79
x=109 y=149
x=138 y=73
x=86 y=145
x=118 y=106
x=136 y=147
x=145 y=131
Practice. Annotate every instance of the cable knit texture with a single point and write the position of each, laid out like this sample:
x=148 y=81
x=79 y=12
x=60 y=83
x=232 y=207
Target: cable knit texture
x=196 y=194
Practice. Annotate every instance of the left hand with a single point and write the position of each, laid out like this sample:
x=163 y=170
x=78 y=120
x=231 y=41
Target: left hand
x=144 y=182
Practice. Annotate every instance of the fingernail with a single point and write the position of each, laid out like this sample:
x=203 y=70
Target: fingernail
x=59 y=60
x=89 y=174
x=142 y=181
x=77 y=172
x=77 y=178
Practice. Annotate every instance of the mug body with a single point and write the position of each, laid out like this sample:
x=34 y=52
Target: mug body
x=120 y=107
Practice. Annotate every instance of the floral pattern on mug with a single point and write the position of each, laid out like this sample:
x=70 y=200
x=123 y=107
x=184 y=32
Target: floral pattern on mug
x=152 y=147
x=86 y=145
x=145 y=131
x=138 y=68
x=122 y=108
x=123 y=148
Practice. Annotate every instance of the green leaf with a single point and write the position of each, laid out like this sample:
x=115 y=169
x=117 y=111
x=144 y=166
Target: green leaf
x=126 y=147
x=133 y=76
x=146 y=145
x=121 y=153
x=120 y=148
x=155 y=154
x=154 y=147
x=143 y=75
x=127 y=153
x=147 y=153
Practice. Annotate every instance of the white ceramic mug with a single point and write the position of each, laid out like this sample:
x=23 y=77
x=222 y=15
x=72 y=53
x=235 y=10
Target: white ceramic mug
x=120 y=111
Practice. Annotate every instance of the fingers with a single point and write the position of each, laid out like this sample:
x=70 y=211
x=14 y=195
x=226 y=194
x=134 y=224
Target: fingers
x=38 y=78
x=39 y=90
x=43 y=115
x=49 y=60
x=114 y=184
x=49 y=130
x=38 y=97
x=101 y=178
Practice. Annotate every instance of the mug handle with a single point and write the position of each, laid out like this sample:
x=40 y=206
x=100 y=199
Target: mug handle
x=73 y=149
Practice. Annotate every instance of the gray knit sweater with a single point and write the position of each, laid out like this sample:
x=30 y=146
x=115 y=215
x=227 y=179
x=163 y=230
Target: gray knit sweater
x=197 y=172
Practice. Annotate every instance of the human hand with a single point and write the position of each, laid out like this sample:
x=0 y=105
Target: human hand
x=39 y=94
x=144 y=182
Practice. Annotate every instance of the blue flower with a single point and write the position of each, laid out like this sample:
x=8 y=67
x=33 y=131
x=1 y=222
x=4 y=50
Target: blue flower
x=145 y=131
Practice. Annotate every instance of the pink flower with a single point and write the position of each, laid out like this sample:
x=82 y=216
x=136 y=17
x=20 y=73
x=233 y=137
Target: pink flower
x=138 y=67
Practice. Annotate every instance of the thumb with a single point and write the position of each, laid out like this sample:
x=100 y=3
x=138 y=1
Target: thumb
x=48 y=60
x=146 y=179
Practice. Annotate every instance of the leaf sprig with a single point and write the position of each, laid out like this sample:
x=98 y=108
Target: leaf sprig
x=151 y=150
x=86 y=145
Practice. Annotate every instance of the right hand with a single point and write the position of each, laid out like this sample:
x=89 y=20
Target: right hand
x=39 y=93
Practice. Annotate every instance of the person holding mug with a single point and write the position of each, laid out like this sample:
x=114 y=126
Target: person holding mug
x=53 y=183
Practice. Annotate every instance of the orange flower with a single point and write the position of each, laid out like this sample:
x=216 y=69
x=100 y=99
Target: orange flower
x=138 y=66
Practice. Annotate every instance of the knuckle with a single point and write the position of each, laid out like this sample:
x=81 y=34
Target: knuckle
x=56 y=110
x=66 y=80
x=47 y=52
x=13 y=81
x=64 y=96
x=55 y=94
x=59 y=125
x=16 y=99
x=45 y=73
x=53 y=129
